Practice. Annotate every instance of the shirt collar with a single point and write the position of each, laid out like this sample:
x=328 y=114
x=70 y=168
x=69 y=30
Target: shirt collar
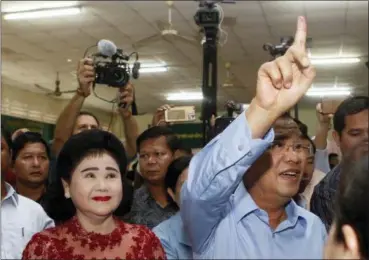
x=243 y=202
x=294 y=214
x=11 y=194
x=244 y=205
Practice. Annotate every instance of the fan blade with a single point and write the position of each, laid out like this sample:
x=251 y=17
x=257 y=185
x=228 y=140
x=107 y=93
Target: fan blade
x=68 y=91
x=50 y=94
x=42 y=88
x=185 y=39
x=147 y=40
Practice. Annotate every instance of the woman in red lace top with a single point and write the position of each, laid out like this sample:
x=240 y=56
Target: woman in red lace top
x=90 y=169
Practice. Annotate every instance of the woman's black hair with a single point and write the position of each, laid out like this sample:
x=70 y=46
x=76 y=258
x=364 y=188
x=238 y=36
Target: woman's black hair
x=175 y=169
x=92 y=142
x=352 y=199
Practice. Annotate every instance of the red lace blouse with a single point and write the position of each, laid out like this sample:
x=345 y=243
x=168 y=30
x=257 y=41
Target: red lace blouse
x=71 y=241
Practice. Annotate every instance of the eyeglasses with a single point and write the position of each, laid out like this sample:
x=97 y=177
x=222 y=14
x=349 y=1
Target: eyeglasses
x=298 y=147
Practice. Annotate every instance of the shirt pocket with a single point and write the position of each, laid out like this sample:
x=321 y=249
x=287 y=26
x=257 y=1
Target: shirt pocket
x=16 y=240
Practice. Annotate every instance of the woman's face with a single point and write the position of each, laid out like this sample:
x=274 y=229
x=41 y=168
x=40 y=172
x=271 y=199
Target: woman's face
x=342 y=250
x=96 y=186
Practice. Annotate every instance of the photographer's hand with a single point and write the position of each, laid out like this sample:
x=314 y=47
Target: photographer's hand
x=125 y=98
x=322 y=129
x=159 y=116
x=85 y=76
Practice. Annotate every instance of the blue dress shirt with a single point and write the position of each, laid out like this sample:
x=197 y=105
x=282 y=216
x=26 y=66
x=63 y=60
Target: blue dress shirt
x=173 y=238
x=21 y=218
x=221 y=218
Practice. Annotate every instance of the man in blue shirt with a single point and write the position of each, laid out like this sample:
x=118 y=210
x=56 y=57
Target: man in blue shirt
x=237 y=201
x=171 y=232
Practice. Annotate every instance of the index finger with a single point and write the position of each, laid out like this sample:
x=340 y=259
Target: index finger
x=301 y=31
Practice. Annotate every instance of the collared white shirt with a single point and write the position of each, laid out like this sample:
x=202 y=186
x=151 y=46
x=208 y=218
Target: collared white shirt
x=21 y=218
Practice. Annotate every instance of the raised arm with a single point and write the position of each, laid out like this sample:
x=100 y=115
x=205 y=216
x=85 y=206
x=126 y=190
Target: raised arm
x=67 y=118
x=126 y=96
x=321 y=135
x=217 y=170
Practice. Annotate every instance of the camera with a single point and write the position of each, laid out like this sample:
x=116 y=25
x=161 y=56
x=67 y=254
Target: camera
x=207 y=15
x=115 y=71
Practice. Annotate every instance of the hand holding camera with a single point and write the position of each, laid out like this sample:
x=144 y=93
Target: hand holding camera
x=159 y=116
x=85 y=76
x=125 y=97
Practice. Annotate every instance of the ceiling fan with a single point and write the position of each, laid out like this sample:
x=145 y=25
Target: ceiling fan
x=56 y=92
x=168 y=33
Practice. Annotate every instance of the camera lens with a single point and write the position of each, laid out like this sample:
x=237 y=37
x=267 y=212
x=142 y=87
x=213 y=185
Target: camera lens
x=119 y=76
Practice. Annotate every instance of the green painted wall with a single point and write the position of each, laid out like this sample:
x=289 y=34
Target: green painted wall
x=191 y=133
x=14 y=123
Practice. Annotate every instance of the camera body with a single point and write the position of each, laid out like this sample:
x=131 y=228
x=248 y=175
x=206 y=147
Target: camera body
x=114 y=71
x=207 y=16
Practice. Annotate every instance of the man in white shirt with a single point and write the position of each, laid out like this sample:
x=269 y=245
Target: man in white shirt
x=21 y=217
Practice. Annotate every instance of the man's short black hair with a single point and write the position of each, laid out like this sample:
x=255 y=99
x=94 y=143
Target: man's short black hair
x=303 y=127
x=27 y=138
x=306 y=137
x=85 y=113
x=175 y=169
x=157 y=132
x=7 y=136
x=350 y=106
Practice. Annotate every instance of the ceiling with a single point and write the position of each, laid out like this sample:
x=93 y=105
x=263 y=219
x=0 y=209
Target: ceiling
x=34 y=50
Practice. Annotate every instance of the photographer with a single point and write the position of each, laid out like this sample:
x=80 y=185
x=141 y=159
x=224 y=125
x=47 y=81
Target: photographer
x=71 y=121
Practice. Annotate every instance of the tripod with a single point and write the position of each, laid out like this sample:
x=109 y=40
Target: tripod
x=208 y=17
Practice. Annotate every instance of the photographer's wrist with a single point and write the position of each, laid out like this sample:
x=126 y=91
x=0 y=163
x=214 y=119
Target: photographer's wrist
x=126 y=113
x=81 y=93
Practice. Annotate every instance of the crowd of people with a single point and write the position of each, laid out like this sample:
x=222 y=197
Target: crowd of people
x=263 y=188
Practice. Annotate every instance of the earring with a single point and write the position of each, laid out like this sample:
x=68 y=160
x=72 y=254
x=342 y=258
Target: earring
x=67 y=195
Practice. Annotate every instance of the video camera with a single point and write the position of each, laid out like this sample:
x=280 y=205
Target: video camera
x=112 y=67
x=207 y=15
x=281 y=48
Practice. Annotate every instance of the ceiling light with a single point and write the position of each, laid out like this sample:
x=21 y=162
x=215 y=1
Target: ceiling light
x=42 y=13
x=184 y=96
x=153 y=65
x=153 y=69
x=332 y=91
x=333 y=61
x=22 y=6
